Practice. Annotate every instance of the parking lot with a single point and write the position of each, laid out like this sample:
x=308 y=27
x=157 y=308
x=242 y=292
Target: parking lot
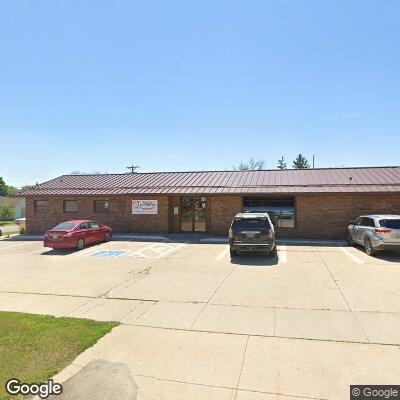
x=196 y=324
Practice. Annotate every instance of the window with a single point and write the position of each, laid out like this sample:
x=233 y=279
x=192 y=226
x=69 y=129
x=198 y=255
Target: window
x=64 y=226
x=250 y=223
x=84 y=225
x=40 y=206
x=390 y=223
x=70 y=206
x=367 y=222
x=94 y=225
x=101 y=206
x=280 y=210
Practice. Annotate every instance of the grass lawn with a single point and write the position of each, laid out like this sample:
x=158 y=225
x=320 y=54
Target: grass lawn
x=35 y=347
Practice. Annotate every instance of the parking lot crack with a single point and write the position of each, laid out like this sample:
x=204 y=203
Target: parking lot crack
x=344 y=298
x=241 y=367
x=145 y=271
x=211 y=297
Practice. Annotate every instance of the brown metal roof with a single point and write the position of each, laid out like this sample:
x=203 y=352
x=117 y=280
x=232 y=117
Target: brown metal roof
x=291 y=181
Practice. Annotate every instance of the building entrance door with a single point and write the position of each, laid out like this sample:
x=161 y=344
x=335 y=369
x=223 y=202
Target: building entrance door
x=193 y=214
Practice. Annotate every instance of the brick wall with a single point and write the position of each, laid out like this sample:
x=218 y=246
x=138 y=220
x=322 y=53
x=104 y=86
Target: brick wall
x=119 y=216
x=317 y=216
x=327 y=216
x=221 y=210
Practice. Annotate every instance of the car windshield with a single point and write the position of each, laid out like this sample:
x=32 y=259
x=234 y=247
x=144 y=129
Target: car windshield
x=390 y=223
x=251 y=223
x=64 y=226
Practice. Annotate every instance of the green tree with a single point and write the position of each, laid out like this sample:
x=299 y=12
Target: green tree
x=6 y=190
x=6 y=212
x=3 y=187
x=251 y=165
x=301 y=162
x=11 y=190
x=282 y=163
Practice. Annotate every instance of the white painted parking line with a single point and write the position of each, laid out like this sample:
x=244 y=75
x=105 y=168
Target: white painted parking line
x=41 y=250
x=351 y=255
x=173 y=250
x=221 y=255
x=282 y=254
x=15 y=245
x=157 y=249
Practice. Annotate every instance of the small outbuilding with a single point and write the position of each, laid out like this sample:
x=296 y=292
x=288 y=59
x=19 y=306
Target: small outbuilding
x=308 y=203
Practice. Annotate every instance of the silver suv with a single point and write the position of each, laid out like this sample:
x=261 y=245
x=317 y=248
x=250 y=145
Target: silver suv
x=375 y=232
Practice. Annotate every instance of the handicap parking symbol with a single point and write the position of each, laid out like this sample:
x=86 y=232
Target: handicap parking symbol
x=109 y=253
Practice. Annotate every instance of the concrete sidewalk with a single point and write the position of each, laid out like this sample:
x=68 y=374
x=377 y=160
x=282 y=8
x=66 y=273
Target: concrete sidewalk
x=173 y=364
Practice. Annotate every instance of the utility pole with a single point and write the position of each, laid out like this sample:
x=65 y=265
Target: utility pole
x=133 y=168
x=313 y=161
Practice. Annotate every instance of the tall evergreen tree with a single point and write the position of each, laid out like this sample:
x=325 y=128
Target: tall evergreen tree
x=282 y=163
x=3 y=187
x=301 y=162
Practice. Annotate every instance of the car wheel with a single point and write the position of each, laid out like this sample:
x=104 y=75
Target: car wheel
x=80 y=244
x=368 y=247
x=233 y=253
x=107 y=237
x=350 y=241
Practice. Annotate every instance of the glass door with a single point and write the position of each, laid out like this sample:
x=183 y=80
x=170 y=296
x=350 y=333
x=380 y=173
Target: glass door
x=186 y=215
x=199 y=209
x=193 y=214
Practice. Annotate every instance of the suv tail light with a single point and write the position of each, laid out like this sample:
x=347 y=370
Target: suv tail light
x=230 y=233
x=271 y=234
x=382 y=230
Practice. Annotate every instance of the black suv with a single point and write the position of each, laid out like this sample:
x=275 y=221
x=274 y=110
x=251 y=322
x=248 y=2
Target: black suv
x=252 y=232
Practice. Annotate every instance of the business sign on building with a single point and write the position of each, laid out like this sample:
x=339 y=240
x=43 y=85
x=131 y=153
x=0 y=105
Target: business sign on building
x=144 y=207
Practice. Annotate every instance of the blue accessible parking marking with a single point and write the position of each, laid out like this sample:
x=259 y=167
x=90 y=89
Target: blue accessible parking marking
x=109 y=253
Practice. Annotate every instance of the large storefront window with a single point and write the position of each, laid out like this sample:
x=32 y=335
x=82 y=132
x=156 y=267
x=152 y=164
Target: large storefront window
x=281 y=211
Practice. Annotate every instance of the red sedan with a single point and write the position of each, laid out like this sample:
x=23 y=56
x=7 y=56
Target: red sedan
x=76 y=234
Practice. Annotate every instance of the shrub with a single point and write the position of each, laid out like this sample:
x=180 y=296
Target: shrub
x=7 y=212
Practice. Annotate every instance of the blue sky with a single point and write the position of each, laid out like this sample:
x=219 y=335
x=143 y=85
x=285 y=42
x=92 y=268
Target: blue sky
x=184 y=85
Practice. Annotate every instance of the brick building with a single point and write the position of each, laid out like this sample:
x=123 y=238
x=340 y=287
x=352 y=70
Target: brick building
x=312 y=203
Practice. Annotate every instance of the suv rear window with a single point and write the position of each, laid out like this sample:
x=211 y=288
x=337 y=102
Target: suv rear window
x=390 y=223
x=250 y=223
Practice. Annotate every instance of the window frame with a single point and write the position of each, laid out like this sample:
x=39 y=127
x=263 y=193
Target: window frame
x=103 y=211
x=292 y=199
x=371 y=222
x=84 y=223
x=358 y=221
x=64 y=203
x=367 y=222
x=36 y=210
